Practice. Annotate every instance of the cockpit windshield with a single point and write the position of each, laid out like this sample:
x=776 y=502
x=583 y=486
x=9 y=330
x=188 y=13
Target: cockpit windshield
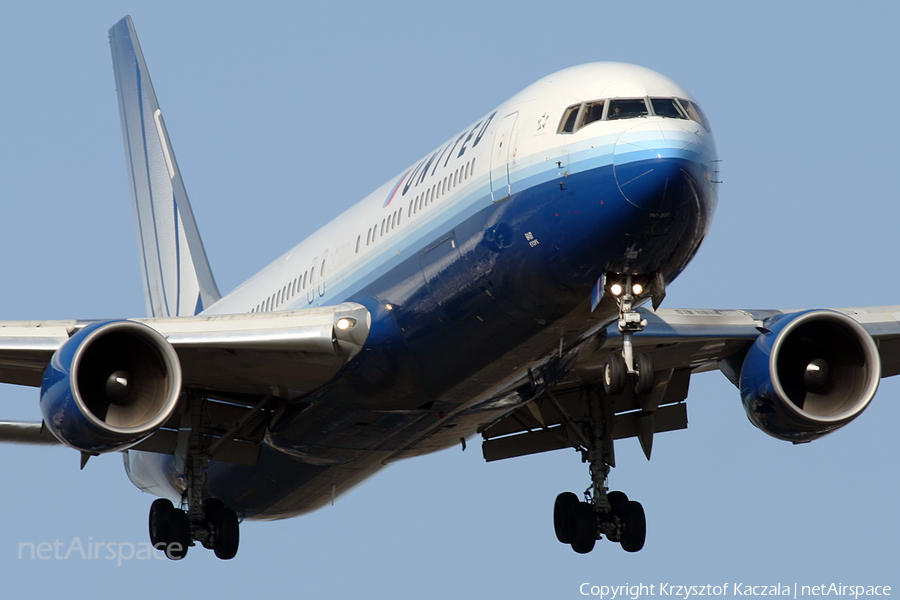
x=593 y=111
x=567 y=125
x=580 y=115
x=667 y=107
x=627 y=109
x=694 y=112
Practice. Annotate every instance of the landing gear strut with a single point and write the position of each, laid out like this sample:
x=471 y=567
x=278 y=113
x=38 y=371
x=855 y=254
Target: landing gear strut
x=602 y=512
x=206 y=520
x=617 y=368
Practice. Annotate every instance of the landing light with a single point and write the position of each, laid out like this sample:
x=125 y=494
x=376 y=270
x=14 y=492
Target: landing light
x=615 y=289
x=636 y=289
x=345 y=323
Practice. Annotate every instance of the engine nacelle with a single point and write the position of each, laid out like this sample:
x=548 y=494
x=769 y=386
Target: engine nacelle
x=812 y=373
x=110 y=386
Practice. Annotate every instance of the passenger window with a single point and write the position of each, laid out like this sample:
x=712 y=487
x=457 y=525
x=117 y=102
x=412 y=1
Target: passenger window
x=627 y=109
x=694 y=112
x=667 y=107
x=593 y=111
x=567 y=123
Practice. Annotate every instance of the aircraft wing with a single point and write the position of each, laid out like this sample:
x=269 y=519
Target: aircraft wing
x=247 y=365
x=287 y=353
x=700 y=338
x=681 y=342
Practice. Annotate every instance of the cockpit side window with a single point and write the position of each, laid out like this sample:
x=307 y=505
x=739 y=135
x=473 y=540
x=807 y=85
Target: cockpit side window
x=667 y=107
x=567 y=124
x=627 y=109
x=593 y=111
x=694 y=112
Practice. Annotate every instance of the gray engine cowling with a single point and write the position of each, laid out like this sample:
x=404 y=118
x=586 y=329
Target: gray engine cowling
x=810 y=374
x=110 y=386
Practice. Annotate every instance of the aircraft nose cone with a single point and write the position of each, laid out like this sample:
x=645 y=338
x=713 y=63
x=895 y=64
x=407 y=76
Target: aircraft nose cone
x=650 y=167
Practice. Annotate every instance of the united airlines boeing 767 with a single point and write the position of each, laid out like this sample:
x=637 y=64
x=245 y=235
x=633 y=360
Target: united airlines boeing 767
x=507 y=285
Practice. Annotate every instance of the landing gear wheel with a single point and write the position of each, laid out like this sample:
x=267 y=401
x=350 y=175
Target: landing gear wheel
x=614 y=372
x=585 y=531
x=635 y=527
x=225 y=523
x=564 y=516
x=618 y=501
x=643 y=365
x=179 y=534
x=159 y=528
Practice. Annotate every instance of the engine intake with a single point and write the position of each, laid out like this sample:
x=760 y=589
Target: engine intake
x=812 y=373
x=110 y=386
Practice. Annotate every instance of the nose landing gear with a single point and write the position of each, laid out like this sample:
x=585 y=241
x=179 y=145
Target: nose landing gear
x=626 y=290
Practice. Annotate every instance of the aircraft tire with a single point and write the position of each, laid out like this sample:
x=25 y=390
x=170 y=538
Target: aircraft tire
x=635 y=527
x=618 y=501
x=643 y=364
x=585 y=531
x=614 y=374
x=159 y=514
x=564 y=516
x=225 y=522
x=179 y=532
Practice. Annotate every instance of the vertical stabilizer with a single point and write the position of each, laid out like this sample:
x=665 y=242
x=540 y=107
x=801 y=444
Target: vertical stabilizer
x=177 y=277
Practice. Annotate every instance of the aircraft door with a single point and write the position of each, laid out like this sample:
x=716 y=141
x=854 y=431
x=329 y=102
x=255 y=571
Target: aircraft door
x=504 y=141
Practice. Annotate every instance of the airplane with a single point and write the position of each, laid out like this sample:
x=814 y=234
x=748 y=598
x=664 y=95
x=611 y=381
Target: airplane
x=507 y=285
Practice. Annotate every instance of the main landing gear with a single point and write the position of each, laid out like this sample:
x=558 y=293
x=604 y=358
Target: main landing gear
x=172 y=530
x=577 y=523
x=206 y=520
x=603 y=512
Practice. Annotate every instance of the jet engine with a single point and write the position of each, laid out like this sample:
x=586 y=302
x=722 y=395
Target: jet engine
x=110 y=386
x=809 y=374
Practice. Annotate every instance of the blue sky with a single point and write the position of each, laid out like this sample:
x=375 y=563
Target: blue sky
x=282 y=115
